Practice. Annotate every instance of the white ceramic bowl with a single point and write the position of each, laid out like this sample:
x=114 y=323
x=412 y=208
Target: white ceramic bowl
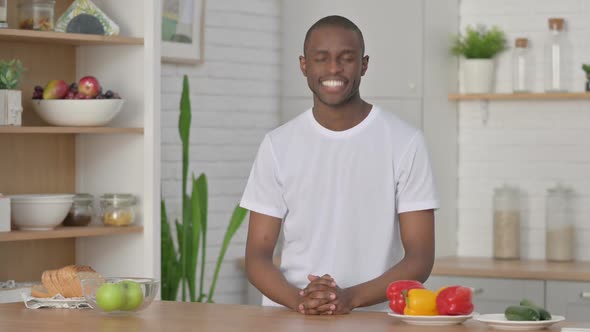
x=78 y=112
x=39 y=212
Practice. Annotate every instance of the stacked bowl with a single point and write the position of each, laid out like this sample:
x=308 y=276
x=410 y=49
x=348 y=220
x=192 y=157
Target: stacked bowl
x=39 y=212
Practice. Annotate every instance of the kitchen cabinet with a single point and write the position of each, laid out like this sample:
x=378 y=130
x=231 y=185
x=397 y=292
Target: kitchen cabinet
x=571 y=299
x=493 y=295
x=562 y=287
x=122 y=157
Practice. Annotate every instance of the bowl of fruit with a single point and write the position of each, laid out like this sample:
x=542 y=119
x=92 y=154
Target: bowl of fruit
x=78 y=104
x=119 y=296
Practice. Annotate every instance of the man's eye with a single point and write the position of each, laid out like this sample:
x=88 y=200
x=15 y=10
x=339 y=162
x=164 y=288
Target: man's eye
x=322 y=59
x=348 y=59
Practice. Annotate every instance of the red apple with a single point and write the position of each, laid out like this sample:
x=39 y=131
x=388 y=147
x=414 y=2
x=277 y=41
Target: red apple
x=89 y=86
x=55 y=89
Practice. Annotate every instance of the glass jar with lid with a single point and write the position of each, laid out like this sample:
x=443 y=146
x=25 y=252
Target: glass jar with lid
x=520 y=66
x=117 y=209
x=506 y=222
x=36 y=14
x=556 y=53
x=560 y=232
x=81 y=212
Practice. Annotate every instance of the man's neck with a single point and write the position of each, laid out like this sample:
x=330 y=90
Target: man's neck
x=341 y=118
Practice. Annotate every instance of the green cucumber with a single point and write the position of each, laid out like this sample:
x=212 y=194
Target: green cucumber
x=522 y=313
x=545 y=315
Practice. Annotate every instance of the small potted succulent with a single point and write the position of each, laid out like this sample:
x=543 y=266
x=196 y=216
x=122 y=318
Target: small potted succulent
x=479 y=46
x=586 y=69
x=10 y=98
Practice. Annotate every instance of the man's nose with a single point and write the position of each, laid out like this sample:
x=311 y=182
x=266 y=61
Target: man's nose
x=334 y=66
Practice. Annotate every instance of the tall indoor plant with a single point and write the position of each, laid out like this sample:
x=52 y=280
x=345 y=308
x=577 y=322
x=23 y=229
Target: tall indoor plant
x=479 y=46
x=10 y=97
x=179 y=266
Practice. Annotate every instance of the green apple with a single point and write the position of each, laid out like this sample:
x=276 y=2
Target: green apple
x=110 y=297
x=133 y=295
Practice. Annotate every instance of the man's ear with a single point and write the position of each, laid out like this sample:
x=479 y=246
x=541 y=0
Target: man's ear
x=303 y=65
x=365 y=65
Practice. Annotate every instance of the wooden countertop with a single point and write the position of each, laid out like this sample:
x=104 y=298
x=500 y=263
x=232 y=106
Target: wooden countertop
x=514 y=269
x=183 y=316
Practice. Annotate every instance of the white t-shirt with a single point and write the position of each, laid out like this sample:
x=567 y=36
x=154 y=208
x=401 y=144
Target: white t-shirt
x=339 y=194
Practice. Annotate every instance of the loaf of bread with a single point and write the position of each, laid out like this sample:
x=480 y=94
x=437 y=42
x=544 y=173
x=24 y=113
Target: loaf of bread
x=64 y=281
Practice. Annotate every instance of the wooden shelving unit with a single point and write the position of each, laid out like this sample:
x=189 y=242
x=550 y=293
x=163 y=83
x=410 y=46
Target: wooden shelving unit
x=50 y=37
x=117 y=158
x=68 y=232
x=68 y=130
x=521 y=96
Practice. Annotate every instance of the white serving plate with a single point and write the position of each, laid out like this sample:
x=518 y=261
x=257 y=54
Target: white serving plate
x=431 y=320
x=499 y=322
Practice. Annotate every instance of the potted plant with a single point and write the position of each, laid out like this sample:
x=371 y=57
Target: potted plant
x=10 y=99
x=479 y=46
x=586 y=69
x=179 y=266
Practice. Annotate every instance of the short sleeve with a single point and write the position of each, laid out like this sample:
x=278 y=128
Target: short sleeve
x=263 y=193
x=415 y=189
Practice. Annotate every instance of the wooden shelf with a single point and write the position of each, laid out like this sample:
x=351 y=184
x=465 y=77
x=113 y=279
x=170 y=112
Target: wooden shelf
x=68 y=130
x=521 y=96
x=68 y=232
x=31 y=36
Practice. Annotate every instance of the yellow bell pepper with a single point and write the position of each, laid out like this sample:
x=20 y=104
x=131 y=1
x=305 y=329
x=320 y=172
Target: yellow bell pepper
x=420 y=302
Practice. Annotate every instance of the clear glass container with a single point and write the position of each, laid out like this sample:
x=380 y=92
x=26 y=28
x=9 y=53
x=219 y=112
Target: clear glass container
x=555 y=49
x=117 y=209
x=36 y=15
x=506 y=223
x=81 y=212
x=3 y=22
x=520 y=66
x=560 y=230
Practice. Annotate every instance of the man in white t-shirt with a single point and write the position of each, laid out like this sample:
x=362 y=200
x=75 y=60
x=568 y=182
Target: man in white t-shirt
x=350 y=184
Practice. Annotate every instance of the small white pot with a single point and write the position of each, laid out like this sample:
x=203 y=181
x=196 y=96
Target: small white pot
x=478 y=75
x=11 y=108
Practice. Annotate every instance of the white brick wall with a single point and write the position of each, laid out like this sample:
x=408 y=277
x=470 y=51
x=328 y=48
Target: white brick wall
x=529 y=144
x=235 y=101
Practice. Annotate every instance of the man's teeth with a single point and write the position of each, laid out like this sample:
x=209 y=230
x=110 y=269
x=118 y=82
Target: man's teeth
x=332 y=83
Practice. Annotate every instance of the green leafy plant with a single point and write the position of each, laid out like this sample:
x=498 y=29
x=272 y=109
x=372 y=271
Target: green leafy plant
x=179 y=266
x=586 y=69
x=10 y=72
x=479 y=43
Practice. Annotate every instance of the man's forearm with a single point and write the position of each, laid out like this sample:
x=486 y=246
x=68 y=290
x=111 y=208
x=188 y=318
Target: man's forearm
x=373 y=291
x=269 y=280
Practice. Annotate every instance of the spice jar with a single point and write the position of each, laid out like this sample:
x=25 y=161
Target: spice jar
x=36 y=14
x=81 y=212
x=506 y=223
x=560 y=233
x=117 y=209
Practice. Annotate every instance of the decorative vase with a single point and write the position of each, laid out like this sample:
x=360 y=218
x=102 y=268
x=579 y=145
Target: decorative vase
x=11 y=108
x=478 y=75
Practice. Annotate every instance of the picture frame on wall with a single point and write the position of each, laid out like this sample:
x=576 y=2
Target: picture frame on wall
x=182 y=28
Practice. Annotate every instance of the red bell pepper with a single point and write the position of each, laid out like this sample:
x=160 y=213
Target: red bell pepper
x=454 y=300
x=397 y=303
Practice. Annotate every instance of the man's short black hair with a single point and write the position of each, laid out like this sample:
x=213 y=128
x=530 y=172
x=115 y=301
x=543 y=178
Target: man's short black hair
x=337 y=21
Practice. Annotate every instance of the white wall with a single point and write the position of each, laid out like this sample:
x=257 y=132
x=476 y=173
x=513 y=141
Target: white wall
x=529 y=144
x=235 y=101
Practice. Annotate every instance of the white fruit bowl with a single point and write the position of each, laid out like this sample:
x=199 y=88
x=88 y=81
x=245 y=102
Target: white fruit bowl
x=78 y=112
x=119 y=296
x=39 y=212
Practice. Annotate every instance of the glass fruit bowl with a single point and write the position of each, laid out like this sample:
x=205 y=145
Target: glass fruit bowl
x=119 y=296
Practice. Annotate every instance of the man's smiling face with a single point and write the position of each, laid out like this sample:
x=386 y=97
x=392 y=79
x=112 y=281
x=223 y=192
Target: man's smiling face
x=333 y=64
